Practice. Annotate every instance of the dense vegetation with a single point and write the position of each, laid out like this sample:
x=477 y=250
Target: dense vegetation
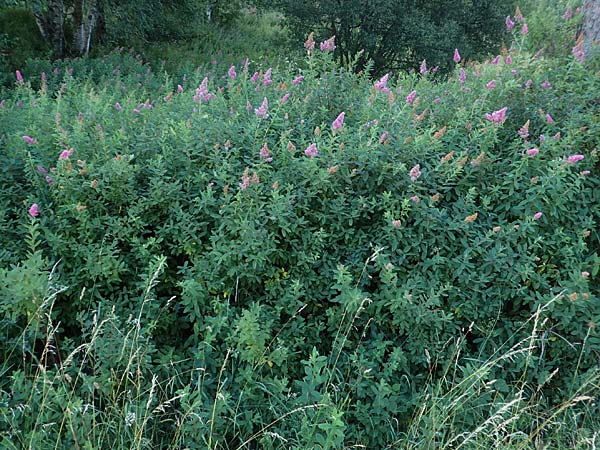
x=302 y=256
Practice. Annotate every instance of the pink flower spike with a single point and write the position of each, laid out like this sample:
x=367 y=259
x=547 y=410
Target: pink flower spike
x=254 y=77
x=585 y=274
x=180 y=88
x=42 y=170
x=328 y=45
x=568 y=13
x=549 y=118
x=546 y=85
x=297 y=80
x=509 y=23
x=231 y=73
x=575 y=158
x=29 y=140
x=456 y=57
x=496 y=60
x=136 y=111
x=311 y=150
x=584 y=173
x=423 y=68
x=532 y=152
x=262 y=111
x=462 y=76
x=266 y=81
x=415 y=199
x=537 y=215
x=118 y=106
x=34 y=210
x=284 y=98
x=498 y=117
x=19 y=76
x=338 y=122
x=524 y=29
x=491 y=85
x=381 y=84
x=508 y=60
x=415 y=173
x=65 y=154
x=410 y=97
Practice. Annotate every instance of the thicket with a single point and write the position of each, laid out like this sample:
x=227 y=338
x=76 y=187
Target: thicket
x=255 y=257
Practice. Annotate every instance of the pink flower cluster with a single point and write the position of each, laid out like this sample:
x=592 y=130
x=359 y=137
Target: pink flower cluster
x=311 y=151
x=262 y=111
x=415 y=172
x=338 y=122
x=328 y=45
x=202 y=92
x=498 y=117
x=381 y=84
x=247 y=180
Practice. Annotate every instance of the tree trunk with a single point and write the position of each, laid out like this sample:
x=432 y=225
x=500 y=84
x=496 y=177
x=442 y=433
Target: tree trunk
x=85 y=15
x=591 y=27
x=51 y=25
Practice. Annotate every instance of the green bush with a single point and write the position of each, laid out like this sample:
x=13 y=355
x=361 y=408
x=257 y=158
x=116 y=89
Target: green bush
x=228 y=262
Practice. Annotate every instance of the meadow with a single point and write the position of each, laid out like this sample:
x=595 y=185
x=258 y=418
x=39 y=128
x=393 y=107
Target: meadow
x=283 y=252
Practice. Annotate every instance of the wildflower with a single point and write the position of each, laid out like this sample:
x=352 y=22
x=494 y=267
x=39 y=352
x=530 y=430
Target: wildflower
x=266 y=81
x=328 y=45
x=496 y=60
x=415 y=172
x=524 y=130
x=585 y=274
x=410 y=97
x=297 y=80
x=311 y=150
x=491 y=85
x=42 y=170
x=532 y=151
x=338 y=122
x=496 y=229
x=333 y=169
x=546 y=85
x=136 y=111
x=549 y=118
x=477 y=161
x=65 y=154
x=180 y=88
x=284 y=98
x=291 y=147
x=265 y=153
x=435 y=197
x=383 y=137
x=568 y=13
x=34 y=210
x=537 y=215
x=49 y=180
x=231 y=73
x=415 y=199
x=584 y=173
x=471 y=218
x=262 y=110
x=498 y=117
x=518 y=14
x=381 y=84
x=437 y=100
x=29 y=140
x=528 y=83
x=524 y=29
x=423 y=68
x=509 y=23
x=118 y=106
x=462 y=76
x=447 y=157
x=575 y=158
x=508 y=60
x=396 y=223
x=19 y=77
x=254 y=77
x=557 y=136
x=456 y=57
x=440 y=133
x=310 y=42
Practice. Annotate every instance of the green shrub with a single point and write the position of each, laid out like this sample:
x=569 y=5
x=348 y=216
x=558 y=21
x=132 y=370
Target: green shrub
x=236 y=263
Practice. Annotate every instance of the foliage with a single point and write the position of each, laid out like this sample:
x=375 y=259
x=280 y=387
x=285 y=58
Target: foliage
x=224 y=260
x=400 y=34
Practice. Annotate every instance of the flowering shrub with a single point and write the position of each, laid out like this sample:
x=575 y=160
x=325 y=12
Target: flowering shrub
x=385 y=224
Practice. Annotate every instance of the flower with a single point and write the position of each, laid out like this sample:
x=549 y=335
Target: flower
x=508 y=60
x=179 y=88
x=568 y=13
x=546 y=85
x=310 y=42
x=265 y=153
x=496 y=60
x=524 y=130
x=118 y=106
x=297 y=80
x=462 y=76
x=532 y=151
x=410 y=97
x=254 y=77
x=549 y=118
x=528 y=83
x=284 y=98
x=29 y=140
x=524 y=29
x=65 y=154
x=471 y=218
x=262 y=110
x=338 y=122
x=383 y=137
x=396 y=223
x=415 y=199
x=498 y=117
x=231 y=73
x=491 y=85
x=423 y=69
x=415 y=172
x=19 y=76
x=537 y=215
x=266 y=81
x=42 y=170
x=585 y=274
x=575 y=158
x=311 y=150
x=34 y=210
x=381 y=84
x=456 y=57
x=328 y=45
x=509 y=23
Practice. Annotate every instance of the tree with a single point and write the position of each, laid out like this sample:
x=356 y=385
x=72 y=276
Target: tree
x=591 y=26
x=399 y=34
